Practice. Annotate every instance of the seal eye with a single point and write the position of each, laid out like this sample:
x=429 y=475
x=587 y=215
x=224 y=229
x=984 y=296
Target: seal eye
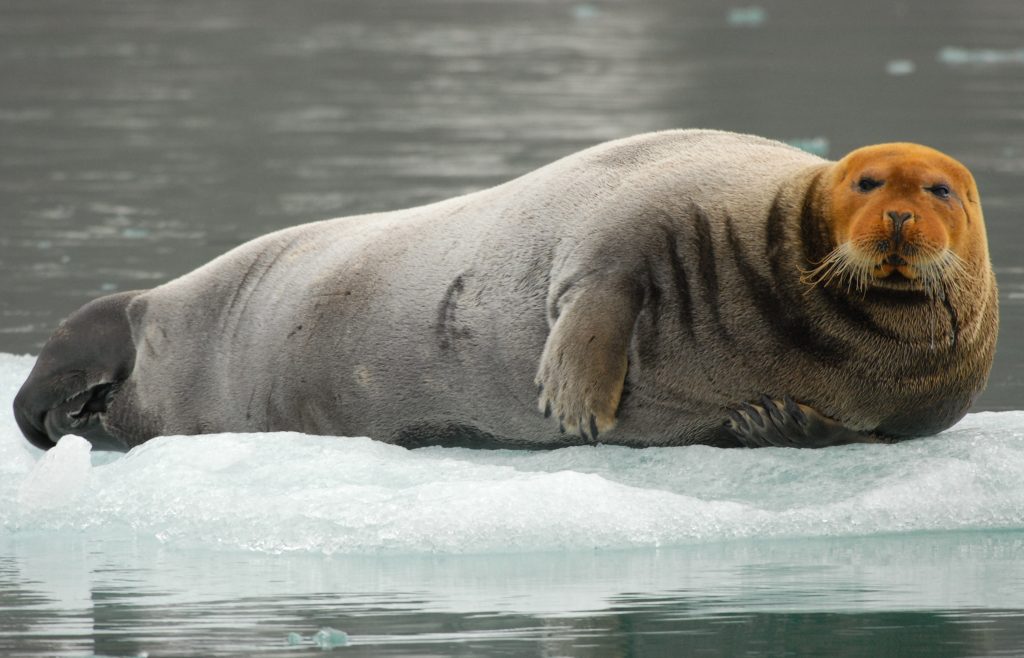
x=866 y=184
x=939 y=190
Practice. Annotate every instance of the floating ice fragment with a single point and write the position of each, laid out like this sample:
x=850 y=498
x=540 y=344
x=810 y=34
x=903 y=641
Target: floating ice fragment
x=134 y=232
x=584 y=12
x=329 y=638
x=984 y=56
x=746 y=16
x=815 y=145
x=59 y=476
x=325 y=638
x=19 y=329
x=900 y=67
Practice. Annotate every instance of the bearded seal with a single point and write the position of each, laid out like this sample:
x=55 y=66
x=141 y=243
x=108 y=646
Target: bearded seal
x=672 y=288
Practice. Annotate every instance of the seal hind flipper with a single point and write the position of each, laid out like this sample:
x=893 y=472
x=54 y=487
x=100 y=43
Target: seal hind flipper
x=583 y=366
x=786 y=423
x=78 y=374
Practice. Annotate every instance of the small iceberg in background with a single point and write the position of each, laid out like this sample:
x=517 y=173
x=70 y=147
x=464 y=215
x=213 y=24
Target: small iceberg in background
x=325 y=638
x=980 y=56
x=899 y=67
x=816 y=145
x=746 y=16
x=329 y=638
x=585 y=12
x=135 y=232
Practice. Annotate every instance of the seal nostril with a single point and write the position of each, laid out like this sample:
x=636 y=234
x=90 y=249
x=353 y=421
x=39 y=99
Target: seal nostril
x=898 y=219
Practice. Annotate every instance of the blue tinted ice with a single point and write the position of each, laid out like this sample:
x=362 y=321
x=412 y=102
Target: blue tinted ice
x=288 y=492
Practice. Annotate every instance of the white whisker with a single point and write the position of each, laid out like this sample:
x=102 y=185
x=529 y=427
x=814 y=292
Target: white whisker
x=841 y=267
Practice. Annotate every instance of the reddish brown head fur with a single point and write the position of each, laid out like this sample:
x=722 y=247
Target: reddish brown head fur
x=902 y=216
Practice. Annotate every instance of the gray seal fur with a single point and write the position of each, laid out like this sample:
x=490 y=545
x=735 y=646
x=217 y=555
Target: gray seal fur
x=635 y=292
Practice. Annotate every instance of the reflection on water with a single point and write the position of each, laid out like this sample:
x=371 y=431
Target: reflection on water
x=945 y=594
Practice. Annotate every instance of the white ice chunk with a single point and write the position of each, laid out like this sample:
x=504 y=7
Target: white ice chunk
x=287 y=492
x=815 y=145
x=329 y=638
x=325 y=638
x=746 y=16
x=899 y=67
x=59 y=477
x=980 y=56
x=17 y=456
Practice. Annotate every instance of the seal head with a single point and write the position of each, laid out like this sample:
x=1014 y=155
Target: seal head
x=903 y=217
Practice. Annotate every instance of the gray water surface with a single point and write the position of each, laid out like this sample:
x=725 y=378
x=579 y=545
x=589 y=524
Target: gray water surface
x=139 y=139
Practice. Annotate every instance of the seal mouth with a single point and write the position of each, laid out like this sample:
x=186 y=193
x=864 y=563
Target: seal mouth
x=897 y=279
x=897 y=288
x=861 y=270
x=900 y=277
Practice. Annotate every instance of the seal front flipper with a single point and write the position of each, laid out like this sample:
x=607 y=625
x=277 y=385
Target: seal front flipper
x=788 y=424
x=583 y=366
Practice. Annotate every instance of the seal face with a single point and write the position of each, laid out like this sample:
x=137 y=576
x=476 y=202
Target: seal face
x=671 y=288
x=902 y=220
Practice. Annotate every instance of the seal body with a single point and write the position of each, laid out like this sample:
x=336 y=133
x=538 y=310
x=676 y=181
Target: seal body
x=642 y=292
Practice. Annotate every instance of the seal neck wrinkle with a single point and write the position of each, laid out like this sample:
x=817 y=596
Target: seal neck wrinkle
x=817 y=238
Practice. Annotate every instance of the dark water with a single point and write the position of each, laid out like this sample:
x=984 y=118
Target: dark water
x=140 y=139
